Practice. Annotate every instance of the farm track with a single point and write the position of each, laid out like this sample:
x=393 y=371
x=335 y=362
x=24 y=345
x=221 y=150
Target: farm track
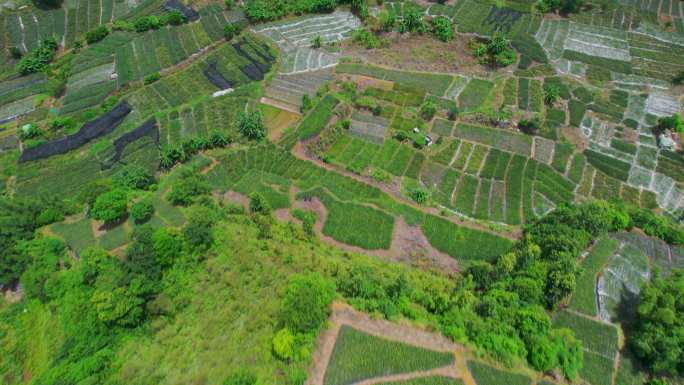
x=300 y=152
x=343 y=314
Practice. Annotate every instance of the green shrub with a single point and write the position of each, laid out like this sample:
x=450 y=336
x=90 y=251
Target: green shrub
x=39 y=58
x=366 y=38
x=442 y=28
x=231 y=30
x=142 y=211
x=110 y=207
x=96 y=34
x=133 y=176
x=251 y=125
x=306 y=304
x=258 y=204
x=151 y=78
x=188 y=187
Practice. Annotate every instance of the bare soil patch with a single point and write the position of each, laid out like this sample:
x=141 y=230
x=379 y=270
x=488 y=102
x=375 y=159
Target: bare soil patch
x=235 y=197
x=420 y=53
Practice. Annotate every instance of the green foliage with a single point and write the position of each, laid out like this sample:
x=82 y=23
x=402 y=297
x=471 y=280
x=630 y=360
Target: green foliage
x=413 y=20
x=674 y=123
x=43 y=256
x=318 y=118
x=496 y=52
x=679 y=78
x=428 y=110
x=258 y=204
x=551 y=94
x=244 y=376
x=366 y=38
x=487 y=375
x=110 y=207
x=231 y=30
x=251 y=125
x=358 y=356
x=133 y=176
x=419 y=195
x=142 y=211
x=96 y=34
x=151 y=78
x=306 y=304
x=584 y=299
x=388 y=20
x=316 y=42
x=658 y=335
x=188 y=187
x=38 y=59
x=442 y=28
x=267 y=10
x=198 y=230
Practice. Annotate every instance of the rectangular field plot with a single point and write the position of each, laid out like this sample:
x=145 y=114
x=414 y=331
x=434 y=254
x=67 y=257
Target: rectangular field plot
x=474 y=94
x=354 y=224
x=463 y=243
x=597 y=337
x=489 y=375
x=359 y=356
x=432 y=83
x=501 y=139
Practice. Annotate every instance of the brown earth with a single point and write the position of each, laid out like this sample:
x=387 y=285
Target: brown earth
x=420 y=53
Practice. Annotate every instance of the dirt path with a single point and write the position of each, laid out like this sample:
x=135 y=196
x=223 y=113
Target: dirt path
x=300 y=152
x=214 y=163
x=343 y=314
x=446 y=371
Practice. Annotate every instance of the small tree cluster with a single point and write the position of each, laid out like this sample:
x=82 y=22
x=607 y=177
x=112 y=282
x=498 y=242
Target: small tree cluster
x=96 y=34
x=674 y=123
x=496 y=52
x=174 y=154
x=251 y=125
x=413 y=20
x=563 y=6
x=233 y=29
x=110 y=207
x=150 y=22
x=39 y=58
x=442 y=28
x=188 y=187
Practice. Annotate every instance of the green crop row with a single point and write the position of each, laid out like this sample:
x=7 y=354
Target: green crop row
x=584 y=298
x=318 y=118
x=609 y=165
x=463 y=242
x=494 y=137
x=561 y=155
x=432 y=83
x=514 y=182
x=484 y=374
x=358 y=356
x=596 y=337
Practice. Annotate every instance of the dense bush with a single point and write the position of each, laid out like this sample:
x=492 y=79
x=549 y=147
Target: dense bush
x=674 y=123
x=142 y=211
x=306 y=303
x=442 y=28
x=258 y=204
x=151 y=78
x=188 y=187
x=366 y=38
x=171 y=155
x=658 y=334
x=39 y=58
x=96 y=34
x=231 y=30
x=251 y=125
x=496 y=52
x=413 y=20
x=267 y=10
x=110 y=206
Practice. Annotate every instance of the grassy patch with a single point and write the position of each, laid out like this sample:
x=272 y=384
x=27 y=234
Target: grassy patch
x=358 y=356
x=474 y=94
x=597 y=370
x=461 y=242
x=77 y=235
x=318 y=118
